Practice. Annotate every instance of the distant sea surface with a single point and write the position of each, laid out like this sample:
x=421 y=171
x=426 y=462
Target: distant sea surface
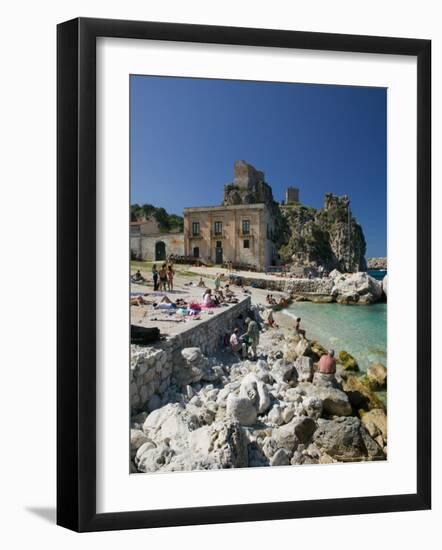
x=378 y=274
x=359 y=330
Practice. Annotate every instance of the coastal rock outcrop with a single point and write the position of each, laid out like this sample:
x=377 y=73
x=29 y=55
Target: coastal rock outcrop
x=356 y=288
x=377 y=376
x=360 y=394
x=258 y=414
x=328 y=237
x=345 y=439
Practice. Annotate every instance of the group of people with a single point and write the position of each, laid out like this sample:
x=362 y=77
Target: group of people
x=271 y=300
x=243 y=345
x=163 y=277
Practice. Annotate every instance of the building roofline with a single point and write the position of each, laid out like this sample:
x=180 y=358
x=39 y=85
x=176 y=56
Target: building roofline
x=258 y=206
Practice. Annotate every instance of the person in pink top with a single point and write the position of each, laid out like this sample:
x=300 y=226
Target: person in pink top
x=327 y=363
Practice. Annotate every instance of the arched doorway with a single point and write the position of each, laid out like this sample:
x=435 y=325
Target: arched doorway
x=160 y=251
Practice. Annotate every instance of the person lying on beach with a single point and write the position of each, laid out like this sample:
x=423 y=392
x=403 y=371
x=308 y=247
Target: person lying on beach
x=137 y=277
x=139 y=301
x=164 y=303
x=327 y=363
x=298 y=328
x=201 y=283
x=236 y=345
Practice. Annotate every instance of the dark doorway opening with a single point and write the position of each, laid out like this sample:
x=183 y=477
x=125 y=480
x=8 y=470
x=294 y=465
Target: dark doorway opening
x=160 y=251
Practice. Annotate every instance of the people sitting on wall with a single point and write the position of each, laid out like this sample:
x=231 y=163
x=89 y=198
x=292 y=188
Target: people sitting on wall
x=208 y=299
x=137 y=277
x=227 y=291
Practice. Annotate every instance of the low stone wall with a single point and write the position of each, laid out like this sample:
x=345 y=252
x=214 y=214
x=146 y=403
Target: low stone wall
x=153 y=368
x=292 y=286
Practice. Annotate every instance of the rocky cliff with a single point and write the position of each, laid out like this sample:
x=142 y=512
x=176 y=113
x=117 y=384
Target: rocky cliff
x=304 y=236
x=330 y=236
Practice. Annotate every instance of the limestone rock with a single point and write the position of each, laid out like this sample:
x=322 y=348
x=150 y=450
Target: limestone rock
x=334 y=401
x=304 y=368
x=282 y=372
x=241 y=410
x=154 y=458
x=360 y=394
x=357 y=287
x=375 y=422
x=275 y=415
x=341 y=438
x=347 y=361
x=312 y=406
x=223 y=444
x=255 y=390
x=303 y=347
x=297 y=431
x=281 y=458
x=377 y=376
x=137 y=438
x=325 y=380
x=191 y=355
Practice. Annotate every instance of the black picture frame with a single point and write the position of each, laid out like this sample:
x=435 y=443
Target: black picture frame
x=76 y=274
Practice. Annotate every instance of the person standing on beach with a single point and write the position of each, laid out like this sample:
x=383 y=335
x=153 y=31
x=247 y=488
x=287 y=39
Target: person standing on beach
x=298 y=328
x=155 y=276
x=163 y=277
x=252 y=336
x=327 y=363
x=217 y=282
x=170 y=274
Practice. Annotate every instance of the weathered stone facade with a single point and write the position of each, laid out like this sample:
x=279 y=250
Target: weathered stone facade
x=156 y=247
x=148 y=243
x=237 y=233
x=240 y=231
x=154 y=368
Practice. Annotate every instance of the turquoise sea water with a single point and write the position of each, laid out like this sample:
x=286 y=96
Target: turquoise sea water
x=359 y=330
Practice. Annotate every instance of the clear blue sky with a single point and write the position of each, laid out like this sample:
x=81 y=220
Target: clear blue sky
x=186 y=134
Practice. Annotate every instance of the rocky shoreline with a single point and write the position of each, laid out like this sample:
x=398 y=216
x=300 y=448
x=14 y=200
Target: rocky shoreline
x=220 y=412
x=343 y=288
